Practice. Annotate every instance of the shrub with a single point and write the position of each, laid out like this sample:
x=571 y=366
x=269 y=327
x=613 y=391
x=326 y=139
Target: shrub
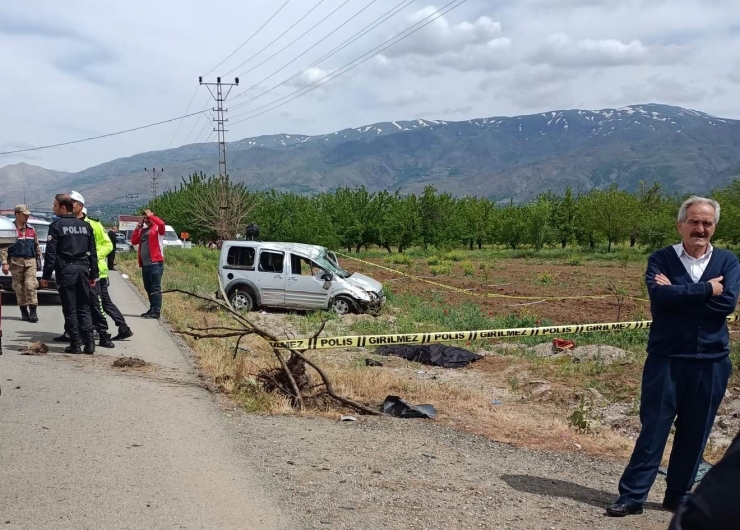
x=575 y=261
x=400 y=259
x=544 y=278
x=438 y=270
x=455 y=255
x=434 y=260
x=468 y=268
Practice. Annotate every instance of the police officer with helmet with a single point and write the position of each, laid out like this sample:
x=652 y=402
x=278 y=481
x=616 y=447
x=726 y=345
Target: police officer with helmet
x=70 y=251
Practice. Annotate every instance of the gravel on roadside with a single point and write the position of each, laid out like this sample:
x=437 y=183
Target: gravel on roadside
x=413 y=474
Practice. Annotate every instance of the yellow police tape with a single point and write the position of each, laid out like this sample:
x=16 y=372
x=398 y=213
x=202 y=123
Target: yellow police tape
x=322 y=343
x=487 y=295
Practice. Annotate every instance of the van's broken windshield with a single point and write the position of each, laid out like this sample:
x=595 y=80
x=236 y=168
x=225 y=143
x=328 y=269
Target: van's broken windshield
x=324 y=263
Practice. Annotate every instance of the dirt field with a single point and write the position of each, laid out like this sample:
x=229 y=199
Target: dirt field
x=533 y=280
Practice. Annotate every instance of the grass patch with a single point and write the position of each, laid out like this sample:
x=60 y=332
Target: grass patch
x=400 y=259
x=440 y=270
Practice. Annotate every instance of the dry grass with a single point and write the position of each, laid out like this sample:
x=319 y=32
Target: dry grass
x=526 y=415
x=463 y=399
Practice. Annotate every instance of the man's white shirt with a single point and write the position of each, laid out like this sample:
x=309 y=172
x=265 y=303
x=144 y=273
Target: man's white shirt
x=694 y=266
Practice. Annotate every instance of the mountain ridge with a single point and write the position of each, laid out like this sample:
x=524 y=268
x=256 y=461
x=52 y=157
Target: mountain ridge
x=498 y=157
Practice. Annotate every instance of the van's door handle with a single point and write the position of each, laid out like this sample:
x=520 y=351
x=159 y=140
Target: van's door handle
x=278 y=276
x=292 y=279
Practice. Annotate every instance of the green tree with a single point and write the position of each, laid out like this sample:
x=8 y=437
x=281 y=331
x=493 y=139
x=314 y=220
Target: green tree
x=609 y=213
x=537 y=217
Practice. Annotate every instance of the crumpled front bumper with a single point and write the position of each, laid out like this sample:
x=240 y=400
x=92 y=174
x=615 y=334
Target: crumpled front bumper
x=374 y=305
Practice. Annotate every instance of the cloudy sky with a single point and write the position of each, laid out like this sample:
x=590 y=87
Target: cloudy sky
x=81 y=68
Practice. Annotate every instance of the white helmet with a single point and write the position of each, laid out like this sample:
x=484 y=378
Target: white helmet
x=76 y=196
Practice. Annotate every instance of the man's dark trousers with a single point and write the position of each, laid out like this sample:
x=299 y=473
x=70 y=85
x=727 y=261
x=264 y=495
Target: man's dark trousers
x=689 y=390
x=152 y=276
x=100 y=323
x=108 y=306
x=74 y=289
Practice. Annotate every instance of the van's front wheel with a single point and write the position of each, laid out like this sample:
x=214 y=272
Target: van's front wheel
x=342 y=305
x=241 y=300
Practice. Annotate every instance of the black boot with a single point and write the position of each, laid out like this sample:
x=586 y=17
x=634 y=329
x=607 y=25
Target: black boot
x=123 y=334
x=73 y=348
x=24 y=314
x=105 y=341
x=32 y=317
x=62 y=338
x=89 y=347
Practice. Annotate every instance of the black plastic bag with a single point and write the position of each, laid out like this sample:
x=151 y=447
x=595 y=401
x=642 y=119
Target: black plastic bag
x=395 y=406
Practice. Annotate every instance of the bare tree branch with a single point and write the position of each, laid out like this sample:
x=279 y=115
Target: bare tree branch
x=250 y=328
x=330 y=388
x=297 y=392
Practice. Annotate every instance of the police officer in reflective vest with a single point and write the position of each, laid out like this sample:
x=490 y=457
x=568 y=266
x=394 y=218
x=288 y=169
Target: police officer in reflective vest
x=22 y=260
x=70 y=250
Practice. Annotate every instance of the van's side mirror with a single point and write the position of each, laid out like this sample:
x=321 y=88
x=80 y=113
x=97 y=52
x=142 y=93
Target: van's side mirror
x=327 y=277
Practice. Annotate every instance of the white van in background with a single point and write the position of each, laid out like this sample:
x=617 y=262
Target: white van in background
x=171 y=238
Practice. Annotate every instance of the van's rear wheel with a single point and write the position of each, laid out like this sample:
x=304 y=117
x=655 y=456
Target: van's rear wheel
x=241 y=300
x=342 y=305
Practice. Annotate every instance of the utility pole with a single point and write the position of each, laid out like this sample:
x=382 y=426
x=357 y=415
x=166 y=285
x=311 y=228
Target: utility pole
x=154 y=175
x=220 y=97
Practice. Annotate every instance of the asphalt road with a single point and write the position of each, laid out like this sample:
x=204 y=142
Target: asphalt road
x=84 y=445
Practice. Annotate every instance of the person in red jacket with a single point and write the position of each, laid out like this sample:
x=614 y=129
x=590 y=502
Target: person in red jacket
x=149 y=235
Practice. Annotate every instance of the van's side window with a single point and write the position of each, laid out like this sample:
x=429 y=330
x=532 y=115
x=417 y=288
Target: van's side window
x=303 y=267
x=271 y=261
x=241 y=257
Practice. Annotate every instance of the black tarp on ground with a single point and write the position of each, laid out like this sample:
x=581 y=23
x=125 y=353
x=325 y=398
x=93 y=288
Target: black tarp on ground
x=432 y=354
x=397 y=407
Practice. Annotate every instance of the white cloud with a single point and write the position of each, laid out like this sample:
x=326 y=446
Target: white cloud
x=442 y=37
x=309 y=77
x=561 y=50
x=406 y=97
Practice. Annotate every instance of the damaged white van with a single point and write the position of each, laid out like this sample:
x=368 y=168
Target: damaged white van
x=295 y=276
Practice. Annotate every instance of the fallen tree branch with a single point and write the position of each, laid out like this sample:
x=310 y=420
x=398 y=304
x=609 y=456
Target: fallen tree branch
x=330 y=388
x=295 y=365
x=297 y=392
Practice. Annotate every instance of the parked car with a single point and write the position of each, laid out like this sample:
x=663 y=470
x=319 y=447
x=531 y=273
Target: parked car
x=121 y=244
x=171 y=238
x=42 y=231
x=256 y=274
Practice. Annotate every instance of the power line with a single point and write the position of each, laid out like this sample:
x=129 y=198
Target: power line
x=205 y=109
x=304 y=34
x=347 y=68
x=282 y=34
x=367 y=29
x=203 y=129
x=250 y=38
x=186 y=111
x=100 y=136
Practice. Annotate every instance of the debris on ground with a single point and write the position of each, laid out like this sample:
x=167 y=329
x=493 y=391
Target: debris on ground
x=129 y=362
x=372 y=362
x=562 y=344
x=34 y=348
x=432 y=354
x=347 y=418
x=395 y=406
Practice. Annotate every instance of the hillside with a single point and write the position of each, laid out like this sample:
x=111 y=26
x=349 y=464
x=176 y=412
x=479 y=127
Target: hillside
x=21 y=180
x=499 y=157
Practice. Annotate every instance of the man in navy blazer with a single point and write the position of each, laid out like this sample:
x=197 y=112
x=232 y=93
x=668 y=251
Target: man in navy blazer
x=693 y=287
